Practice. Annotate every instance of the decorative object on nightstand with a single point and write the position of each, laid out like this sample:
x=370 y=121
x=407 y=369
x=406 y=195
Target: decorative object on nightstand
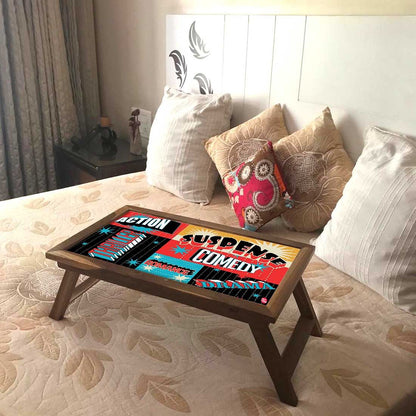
x=135 y=137
x=80 y=165
x=101 y=135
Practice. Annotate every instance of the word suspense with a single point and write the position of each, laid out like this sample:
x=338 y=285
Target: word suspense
x=230 y=264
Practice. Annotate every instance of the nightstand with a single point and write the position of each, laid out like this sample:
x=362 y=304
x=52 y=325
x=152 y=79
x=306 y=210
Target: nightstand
x=80 y=166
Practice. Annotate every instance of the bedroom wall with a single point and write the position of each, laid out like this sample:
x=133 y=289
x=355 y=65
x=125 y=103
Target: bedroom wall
x=130 y=39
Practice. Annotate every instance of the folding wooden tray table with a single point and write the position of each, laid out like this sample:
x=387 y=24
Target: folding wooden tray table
x=212 y=267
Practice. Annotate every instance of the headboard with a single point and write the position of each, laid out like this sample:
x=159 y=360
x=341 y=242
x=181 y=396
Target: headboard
x=362 y=67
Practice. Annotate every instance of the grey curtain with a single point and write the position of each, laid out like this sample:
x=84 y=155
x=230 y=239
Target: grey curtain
x=38 y=106
x=79 y=31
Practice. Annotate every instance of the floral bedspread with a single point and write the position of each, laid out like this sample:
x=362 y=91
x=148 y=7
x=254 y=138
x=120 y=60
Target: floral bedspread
x=120 y=352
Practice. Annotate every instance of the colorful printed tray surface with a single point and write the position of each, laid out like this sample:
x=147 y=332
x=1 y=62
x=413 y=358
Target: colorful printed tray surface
x=232 y=264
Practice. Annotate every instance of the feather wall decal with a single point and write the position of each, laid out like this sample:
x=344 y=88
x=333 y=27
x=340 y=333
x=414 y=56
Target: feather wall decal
x=204 y=84
x=181 y=69
x=196 y=44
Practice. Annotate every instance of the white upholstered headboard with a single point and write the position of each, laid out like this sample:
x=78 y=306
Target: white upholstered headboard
x=362 y=67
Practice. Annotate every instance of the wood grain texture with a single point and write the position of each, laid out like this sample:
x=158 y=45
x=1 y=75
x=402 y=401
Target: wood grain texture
x=63 y=297
x=276 y=366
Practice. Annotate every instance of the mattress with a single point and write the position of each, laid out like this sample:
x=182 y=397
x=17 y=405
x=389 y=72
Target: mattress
x=120 y=352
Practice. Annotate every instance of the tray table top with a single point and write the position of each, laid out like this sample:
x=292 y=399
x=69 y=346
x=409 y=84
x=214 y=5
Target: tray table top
x=225 y=264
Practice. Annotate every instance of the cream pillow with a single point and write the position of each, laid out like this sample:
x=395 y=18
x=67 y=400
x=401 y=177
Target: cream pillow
x=176 y=158
x=315 y=168
x=235 y=146
x=372 y=233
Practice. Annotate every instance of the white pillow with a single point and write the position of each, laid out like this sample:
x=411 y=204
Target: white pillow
x=176 y=158
x=372 y=233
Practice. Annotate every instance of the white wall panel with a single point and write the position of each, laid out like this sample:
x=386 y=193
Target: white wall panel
x=363 y=63
x=287 y=58
x=259 y=64
x=235 y=58
x=362 y=67
x=298 y=114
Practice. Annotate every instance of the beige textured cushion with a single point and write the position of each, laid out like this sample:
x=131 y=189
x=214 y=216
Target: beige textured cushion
x=315 y=168
x=235 y=146
x=176 y=158
x=372 y=233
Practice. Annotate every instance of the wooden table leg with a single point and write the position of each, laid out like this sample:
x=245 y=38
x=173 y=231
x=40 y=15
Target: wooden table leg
x=64 y=295
x=282 y=367
x=305 y=307
x=274 y=363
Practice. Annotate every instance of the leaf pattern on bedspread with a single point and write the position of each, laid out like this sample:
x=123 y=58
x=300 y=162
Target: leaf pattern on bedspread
x=44 y=340
x=4 y=340
x=41 y=228
x=7 y=224
x=141 y=312
x=98 y=328
x=150 y=345
x=315 y=269
x=82 y=217
x=37 y=203
x=339 y=378
x=260 y=401
x=134 y=179
x=91 y=197
x=14 y=249
x=8 y=372
x=157 y=386
x=88 y=365
x=213 y=339
x=24 y=324
x=133 y=196
x=401 y=338
x=329 y=295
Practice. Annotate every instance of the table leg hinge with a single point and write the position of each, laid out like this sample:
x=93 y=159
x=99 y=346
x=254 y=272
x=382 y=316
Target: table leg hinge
x=83 y=287
x=68 y=292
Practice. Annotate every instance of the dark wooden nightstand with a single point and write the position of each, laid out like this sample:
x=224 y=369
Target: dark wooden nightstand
x=80 y=166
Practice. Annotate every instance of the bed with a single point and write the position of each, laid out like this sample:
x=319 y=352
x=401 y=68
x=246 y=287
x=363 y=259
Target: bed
x=120 y=352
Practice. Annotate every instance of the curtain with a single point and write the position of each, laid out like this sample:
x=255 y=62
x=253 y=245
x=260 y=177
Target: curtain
x=79 y=31
x=38 y=106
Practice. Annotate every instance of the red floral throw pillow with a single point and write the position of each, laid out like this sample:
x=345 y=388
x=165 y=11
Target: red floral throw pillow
x=256 y=189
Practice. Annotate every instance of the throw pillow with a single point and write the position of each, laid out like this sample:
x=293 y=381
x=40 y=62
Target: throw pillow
x=372 y=233
x=256 y=189
x=315 y=168
x=176 y=159
x=233 y=147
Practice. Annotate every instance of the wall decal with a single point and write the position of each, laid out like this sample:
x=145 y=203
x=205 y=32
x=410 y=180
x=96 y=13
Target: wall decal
x=190 y=43
x=204 y=84
x=196 y=44
x=181 y=69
